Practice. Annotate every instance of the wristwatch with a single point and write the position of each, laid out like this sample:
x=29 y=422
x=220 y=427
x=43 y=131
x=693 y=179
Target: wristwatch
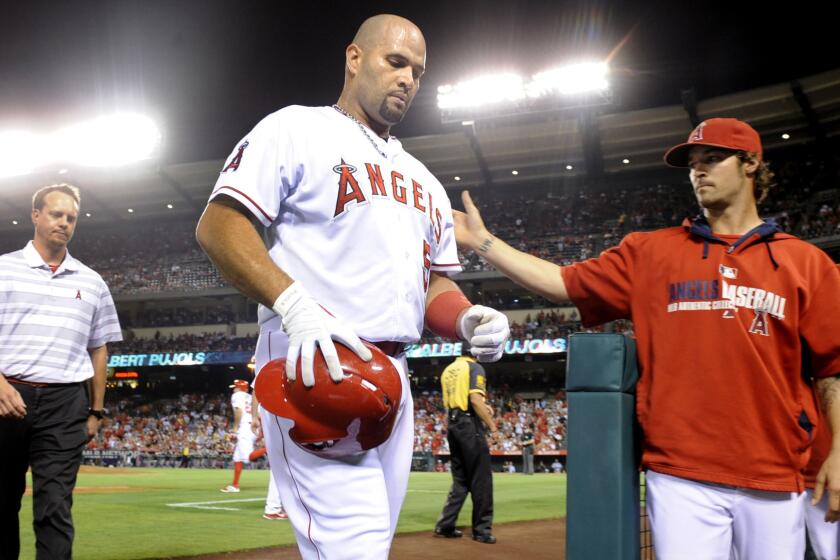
x=98 y=414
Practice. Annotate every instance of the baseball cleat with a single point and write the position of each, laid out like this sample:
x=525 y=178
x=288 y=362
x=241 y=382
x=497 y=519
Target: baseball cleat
x=230 y=488
x=450 y=534
x=486 y=539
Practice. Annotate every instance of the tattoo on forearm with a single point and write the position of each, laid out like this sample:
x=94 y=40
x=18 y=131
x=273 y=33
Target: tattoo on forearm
x=486 y=244
x=829 y=391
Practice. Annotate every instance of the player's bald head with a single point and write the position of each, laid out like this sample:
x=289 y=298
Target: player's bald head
x=382 y=29
x=384 y=64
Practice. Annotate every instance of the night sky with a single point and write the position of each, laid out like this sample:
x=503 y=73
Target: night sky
x=207 y=71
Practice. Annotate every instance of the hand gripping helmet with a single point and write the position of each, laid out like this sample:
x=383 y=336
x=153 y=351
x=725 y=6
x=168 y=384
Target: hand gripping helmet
x=335 y=419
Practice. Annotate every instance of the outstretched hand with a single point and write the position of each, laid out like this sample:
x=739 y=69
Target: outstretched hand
x=470 y=231
x=828 y=482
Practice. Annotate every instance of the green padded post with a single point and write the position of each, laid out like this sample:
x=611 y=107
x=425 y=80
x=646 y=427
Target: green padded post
x=602 y=508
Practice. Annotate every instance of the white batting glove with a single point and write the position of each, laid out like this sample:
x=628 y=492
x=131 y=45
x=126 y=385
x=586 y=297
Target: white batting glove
x=306 y=323
x=486 y=330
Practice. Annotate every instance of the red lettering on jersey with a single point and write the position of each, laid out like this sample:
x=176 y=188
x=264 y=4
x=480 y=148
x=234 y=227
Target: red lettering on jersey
x=759 y=324
x=377 y=185
x=438 y=226
x=431 y=208
x=237 y=159
x=346 y=180
x=418 y=195
x=427 y=264
x=399 y=190
x=78 y=294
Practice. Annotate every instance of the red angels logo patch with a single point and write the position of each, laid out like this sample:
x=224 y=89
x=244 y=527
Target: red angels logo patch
x=237 y=159
x=697 y=134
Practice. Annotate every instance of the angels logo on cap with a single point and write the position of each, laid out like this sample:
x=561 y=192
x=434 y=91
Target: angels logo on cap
x=697 y=134
x=729 y=134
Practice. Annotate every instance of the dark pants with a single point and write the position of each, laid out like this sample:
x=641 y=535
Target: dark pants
x=50 y=440
x=471 y=472
x=528 y=459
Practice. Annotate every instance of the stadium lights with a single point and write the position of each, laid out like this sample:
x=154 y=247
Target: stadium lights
x=570 y=167
x=457 y=178
x=108 y=141
x=169 y=206
x=102 y=142
x=20 y=153
x=785 y=136
x=484 y=90
x=625 y=161
x=500 y=88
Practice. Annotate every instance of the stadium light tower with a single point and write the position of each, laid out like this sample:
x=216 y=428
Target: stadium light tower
x=575 y=85
x=102 y=142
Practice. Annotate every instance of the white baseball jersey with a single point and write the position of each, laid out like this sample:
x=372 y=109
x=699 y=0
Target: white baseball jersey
x=361 y=232
x=242 y=400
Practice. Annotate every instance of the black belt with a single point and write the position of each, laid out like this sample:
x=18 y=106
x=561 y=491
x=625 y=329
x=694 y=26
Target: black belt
x=390 y=347
x=16 y=381
x=457 y=413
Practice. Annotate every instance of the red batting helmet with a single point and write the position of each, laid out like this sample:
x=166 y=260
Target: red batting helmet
x=335 y=419
x=240 y=384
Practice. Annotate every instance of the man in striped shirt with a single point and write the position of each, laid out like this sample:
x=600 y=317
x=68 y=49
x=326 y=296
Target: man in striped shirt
x=56 y=316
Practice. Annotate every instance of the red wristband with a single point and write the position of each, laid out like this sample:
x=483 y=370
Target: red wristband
x=442 y=313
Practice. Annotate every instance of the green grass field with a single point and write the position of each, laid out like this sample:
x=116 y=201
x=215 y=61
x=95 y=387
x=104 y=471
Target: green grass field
x=124 y=514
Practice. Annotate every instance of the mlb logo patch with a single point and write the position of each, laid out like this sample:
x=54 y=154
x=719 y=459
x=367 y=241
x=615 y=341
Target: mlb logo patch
x=728 y=272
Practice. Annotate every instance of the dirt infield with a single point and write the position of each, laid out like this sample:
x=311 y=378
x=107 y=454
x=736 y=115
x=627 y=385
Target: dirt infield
x=535 y=540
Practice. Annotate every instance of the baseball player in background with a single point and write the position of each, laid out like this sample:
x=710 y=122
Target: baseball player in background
x=244 y=429
x=360 y=242
x=723 y=311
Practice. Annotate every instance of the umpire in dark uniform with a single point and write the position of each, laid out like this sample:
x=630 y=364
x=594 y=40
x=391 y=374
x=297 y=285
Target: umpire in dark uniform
x=56 y=317
x=464 y=390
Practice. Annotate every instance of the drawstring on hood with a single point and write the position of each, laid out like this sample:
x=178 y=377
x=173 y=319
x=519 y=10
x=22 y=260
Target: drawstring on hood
x=763 y=232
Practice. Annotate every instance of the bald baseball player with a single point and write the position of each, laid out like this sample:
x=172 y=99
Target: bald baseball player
x=359 y=244
x=723 y=310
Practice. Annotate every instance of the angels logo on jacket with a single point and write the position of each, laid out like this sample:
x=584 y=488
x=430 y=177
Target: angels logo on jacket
x=712 y=295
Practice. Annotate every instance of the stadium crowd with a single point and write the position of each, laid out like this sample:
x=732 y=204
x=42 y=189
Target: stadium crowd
x=564 y=224
x=512 y=413
x=163 y=428
x=206 y=342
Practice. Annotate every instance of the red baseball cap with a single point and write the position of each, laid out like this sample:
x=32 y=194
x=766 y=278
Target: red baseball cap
x=240 y=384
x=730 y=134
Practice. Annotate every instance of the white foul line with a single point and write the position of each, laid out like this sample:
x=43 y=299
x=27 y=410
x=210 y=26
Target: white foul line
x=204 y=505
